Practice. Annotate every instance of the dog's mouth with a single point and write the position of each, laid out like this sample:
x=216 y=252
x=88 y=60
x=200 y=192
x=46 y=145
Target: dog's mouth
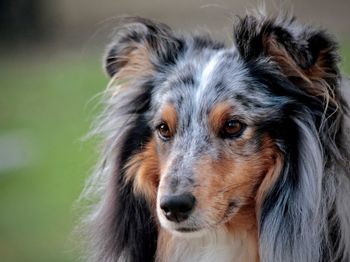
x=188 y=229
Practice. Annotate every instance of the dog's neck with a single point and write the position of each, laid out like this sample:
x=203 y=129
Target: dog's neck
x=222 y=244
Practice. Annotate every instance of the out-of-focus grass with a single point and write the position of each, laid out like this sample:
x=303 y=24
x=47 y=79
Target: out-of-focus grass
x=48 y=104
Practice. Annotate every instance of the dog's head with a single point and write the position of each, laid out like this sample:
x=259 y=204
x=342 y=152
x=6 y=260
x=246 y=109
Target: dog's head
x=214 y=136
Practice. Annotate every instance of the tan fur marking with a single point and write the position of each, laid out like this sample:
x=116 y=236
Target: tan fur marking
x=138 y=64
x=169 y=115
x=143 y=170
x=218 y=115
x=233 y=177
x=312 y=79
x=268 y=181
x=280 y=55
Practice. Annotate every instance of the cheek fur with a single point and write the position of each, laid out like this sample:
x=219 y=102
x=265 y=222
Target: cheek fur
x=269 y=180
x=143 y=170
x=235 y=181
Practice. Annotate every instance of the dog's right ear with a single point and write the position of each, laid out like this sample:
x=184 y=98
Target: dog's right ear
x=140 y=47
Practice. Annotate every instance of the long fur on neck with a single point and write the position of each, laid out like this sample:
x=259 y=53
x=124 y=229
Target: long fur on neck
x=213 y=245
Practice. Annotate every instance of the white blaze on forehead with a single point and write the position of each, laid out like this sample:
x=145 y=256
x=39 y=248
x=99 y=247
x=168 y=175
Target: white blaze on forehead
x=207 y=75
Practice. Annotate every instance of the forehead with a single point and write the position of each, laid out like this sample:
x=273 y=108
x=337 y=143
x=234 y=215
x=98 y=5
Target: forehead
x=200 y=80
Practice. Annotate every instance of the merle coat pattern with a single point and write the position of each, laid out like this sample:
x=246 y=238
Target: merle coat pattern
x=283 y=81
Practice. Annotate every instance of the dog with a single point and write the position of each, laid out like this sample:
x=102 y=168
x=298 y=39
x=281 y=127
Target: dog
x=222 y=153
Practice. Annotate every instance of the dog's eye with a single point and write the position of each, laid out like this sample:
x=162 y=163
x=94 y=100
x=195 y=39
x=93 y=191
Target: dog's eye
x=164 y=131
x=232 y=128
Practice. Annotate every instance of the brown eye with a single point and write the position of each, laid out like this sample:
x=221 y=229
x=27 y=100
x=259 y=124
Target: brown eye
x=164 y=131
x=232 y=129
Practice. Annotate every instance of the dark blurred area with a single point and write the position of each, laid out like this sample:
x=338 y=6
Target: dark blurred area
x=23 y=22
x=68 y=24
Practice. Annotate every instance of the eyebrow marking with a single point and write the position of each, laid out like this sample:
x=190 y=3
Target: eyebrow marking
x=219 y=113
x=169 y=115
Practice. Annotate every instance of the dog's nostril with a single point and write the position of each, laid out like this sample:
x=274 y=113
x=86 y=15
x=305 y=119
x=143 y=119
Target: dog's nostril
x=177 y=207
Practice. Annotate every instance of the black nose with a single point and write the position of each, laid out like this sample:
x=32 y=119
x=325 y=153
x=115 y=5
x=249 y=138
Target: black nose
x=177 y=207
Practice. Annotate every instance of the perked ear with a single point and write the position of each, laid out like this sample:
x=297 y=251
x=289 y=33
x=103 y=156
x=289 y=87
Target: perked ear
x=140 y=47
x=307 y=56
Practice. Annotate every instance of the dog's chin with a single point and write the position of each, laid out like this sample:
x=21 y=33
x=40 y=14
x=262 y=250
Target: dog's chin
x=182 y=229
x=188 y=232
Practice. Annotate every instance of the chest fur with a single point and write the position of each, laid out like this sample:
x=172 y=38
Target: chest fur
x=217 y=245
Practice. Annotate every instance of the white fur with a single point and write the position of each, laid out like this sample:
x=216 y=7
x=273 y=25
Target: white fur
x=207 y=75
x=216 y=245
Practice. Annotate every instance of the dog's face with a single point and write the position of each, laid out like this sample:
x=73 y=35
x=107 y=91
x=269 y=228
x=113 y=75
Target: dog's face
x=214 y=121
x=212 y=155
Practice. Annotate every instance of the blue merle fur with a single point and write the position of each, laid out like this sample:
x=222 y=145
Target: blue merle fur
x=302 y=216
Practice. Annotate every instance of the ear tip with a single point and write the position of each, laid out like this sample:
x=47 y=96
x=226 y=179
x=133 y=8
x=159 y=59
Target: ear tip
x=250 y=29
x=323 y=39
x=140 y=39
x=130 y=29
x=323 y=43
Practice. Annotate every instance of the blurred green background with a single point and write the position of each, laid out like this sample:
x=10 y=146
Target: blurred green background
x=50 y=78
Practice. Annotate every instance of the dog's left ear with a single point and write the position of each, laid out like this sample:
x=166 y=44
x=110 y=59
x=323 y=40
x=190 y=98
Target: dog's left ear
x=308 y=57
x=140 y=47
